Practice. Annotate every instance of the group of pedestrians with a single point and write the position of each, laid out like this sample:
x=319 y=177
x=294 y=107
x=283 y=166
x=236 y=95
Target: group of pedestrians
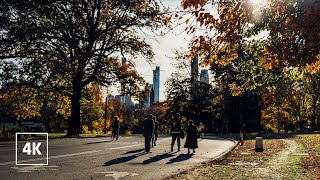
x=150 y=133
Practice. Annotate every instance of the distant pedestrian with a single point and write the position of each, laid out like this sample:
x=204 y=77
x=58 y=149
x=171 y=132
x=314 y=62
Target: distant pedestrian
x=155 y=132
x=175 y=131
x=148 y=127
x=115 y=126
x=191 y=141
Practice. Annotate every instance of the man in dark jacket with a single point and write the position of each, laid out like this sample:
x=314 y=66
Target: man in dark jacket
x=175 y=131
x=148 y=127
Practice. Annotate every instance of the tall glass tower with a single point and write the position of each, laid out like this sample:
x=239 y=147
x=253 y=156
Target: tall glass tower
x=156 y=83
x=195 y=69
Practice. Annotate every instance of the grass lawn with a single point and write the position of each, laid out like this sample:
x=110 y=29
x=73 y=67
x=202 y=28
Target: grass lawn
x=284 y=157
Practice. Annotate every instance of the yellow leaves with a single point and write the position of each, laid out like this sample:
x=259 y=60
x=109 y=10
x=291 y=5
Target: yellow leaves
x=187 y=21
x=313 y=67
x=64 y=106
x=268 y=66
x=235 y=90
x=229 y=16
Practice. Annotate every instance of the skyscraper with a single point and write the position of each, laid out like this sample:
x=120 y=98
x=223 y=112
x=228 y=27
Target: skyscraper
x=204 y=76
x=195 y=69
x=156 y=83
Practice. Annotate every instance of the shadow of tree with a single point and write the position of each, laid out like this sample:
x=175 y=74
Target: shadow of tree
x=181 y=157
x=134 y=151
x=157 y=158
x=123 y=159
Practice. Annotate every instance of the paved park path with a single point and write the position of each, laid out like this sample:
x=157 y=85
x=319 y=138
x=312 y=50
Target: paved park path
x=100 y=158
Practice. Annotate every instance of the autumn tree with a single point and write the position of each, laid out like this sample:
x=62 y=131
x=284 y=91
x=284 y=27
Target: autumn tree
x=64 y=45
x=92 y=107
x=280 y=33
x=259 y=40
x=18 y=103
x=313 y=89
x=192 y=99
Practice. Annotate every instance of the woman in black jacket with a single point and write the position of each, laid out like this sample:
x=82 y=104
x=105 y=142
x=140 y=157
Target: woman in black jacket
x=191 y=141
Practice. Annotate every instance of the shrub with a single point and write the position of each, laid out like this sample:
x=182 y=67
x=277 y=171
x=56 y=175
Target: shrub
x=127 y=132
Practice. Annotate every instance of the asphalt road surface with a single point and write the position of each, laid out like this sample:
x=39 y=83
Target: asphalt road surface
x=101 y=158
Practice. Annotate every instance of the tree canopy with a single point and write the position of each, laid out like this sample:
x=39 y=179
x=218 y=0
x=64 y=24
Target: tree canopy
x=290 y=31
x=64 y=45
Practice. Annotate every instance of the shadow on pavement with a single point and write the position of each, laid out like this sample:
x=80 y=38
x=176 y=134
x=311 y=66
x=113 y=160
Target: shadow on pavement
x=157 y=158
x=134 y=151
x=123 y=159
x=181 y=157
x=99 y=142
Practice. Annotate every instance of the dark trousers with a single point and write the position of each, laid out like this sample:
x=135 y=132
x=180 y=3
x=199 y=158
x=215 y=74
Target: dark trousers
x=154 y=137
x=174 y=138
x=147 y=144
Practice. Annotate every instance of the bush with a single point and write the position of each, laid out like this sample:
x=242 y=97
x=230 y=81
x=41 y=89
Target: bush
x=85 y=129
x=127 y=132
x=10 y=134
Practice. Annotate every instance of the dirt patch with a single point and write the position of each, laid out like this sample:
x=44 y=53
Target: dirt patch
x=277 y=163
x=244 y=163
x=311 y=163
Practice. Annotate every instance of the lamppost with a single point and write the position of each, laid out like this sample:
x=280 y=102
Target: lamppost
x=105 y=114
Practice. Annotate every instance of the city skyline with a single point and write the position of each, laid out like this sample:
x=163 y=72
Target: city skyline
x=164 y=48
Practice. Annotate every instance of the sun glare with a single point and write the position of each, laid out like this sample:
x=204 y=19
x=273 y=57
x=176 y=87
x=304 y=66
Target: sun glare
x=258 y=3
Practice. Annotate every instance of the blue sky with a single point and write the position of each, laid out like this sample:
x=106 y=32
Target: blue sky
x=164 y=48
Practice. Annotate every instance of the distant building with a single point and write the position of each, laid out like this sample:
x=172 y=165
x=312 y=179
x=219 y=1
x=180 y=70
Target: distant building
x=125 y=100
x=154 y=89
x=147 y=102
x=156 y=84
x=151 y=94
x=195 y=69
x=204 y=76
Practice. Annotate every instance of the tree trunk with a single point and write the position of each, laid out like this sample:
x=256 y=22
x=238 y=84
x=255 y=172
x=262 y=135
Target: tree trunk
x=4 y=126
x=313 y=117
x=91 y=126
x=278 y=117
x=74 y=122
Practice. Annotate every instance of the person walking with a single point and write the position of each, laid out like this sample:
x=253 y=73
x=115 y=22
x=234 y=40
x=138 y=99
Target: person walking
x=155 y=133
x=115 y=126
x=191 y=141
x=148 y=127
x=175 y=131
